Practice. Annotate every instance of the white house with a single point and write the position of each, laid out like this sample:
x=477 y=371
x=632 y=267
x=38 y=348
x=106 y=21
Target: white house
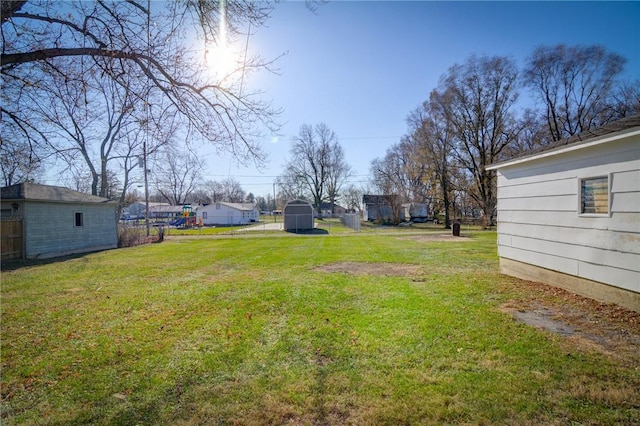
x=221 y=213
x=569 y=215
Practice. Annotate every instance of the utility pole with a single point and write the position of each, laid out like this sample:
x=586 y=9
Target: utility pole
x=273 y=212
x=146 y=186
x=144 y=145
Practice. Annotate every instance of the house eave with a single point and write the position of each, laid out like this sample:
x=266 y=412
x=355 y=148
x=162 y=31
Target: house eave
x=44 y=200
x=567 y=148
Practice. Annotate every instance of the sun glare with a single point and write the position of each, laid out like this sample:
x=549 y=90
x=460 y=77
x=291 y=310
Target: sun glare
x=220 y=58
x=220 y=61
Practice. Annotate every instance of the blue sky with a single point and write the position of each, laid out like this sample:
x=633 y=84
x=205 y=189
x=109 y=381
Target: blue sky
x=362 y=66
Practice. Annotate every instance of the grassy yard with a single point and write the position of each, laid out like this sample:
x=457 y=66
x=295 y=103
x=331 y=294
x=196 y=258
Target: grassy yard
x=368 y=328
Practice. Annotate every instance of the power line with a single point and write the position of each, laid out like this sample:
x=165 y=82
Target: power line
x=270 y=183
x=369 y=137
x=260 y=176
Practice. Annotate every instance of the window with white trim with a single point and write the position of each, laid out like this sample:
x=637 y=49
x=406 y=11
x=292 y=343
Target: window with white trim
x=594 y=195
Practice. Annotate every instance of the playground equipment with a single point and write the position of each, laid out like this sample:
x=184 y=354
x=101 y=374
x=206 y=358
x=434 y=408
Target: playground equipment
x=187 y=219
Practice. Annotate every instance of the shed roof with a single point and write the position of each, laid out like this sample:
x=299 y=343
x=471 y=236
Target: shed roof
x=165 y=208
x=235 y=206
x=613 y=127
x=328 y=206
x=378 y=199
x=603 y=134
x=151 y=204
x=298 y=202
x=244 y=206
x=38 y=192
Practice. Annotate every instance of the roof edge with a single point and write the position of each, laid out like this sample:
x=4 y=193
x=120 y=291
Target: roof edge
x=34 y=192
x=598 y=140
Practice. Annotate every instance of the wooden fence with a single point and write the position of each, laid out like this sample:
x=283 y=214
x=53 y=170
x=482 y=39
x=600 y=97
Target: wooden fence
x=11 y=237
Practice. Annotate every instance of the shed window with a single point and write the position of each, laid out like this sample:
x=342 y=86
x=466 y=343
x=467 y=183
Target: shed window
x=594 y=195
x=204 y=215
x=79 y=219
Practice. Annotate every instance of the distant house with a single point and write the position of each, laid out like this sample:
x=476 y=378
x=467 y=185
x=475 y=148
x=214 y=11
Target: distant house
x=569 y=215
x=228 y=214
x=418 y=211
x=161 y=211
x=136 y=210
x=157 y=210
x=376 y=207
x=57 y=221
x=298 y=216
x=383 y=208
x=329 y=209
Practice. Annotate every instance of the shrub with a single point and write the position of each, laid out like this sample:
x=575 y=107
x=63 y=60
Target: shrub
x=130 y=236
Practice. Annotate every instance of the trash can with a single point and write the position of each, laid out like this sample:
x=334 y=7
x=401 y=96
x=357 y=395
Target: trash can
x=456 y=229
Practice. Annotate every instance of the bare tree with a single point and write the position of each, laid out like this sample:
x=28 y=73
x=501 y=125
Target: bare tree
x=176 y=175
x=151 y=42
x=387 y=178
x=339 y=172
x=317 y=161
x=479 y=96
x=626 y=99
x=200 y=195
x=575 y=84
x=18 y=162
x=534 y=135
x=416 y=171
x=290 y=187
x=405 y=172
x=228 y=190
x=434 y=135
x=352 y=197
x=232 y=191
x=214 y=190
x=91 y=125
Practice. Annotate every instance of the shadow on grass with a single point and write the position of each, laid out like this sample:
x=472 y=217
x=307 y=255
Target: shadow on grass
x=316 y=231
x=15 y=264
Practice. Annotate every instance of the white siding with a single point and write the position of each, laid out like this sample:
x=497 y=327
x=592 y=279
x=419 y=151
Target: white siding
x=226 y=214
x=50 y=228
x=539 y=221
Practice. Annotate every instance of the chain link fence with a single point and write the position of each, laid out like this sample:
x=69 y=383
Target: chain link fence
x=351 y=220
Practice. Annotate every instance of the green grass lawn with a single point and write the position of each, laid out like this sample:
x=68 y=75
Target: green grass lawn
x=256 y=330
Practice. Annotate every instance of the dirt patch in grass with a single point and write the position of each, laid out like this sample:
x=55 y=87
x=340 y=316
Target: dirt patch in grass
x=587 y=324
x=437 y=237
x=364 y=268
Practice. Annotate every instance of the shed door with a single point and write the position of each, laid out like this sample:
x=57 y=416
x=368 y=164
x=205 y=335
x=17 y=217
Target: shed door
x=11 y=238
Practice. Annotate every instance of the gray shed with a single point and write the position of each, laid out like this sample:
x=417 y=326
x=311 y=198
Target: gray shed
x=49 y=221
x=298 y=216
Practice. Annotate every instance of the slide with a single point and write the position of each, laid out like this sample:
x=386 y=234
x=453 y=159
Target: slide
x=177 y=222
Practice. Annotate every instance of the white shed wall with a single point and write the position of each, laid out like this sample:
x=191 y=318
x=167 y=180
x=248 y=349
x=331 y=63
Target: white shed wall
x=539 y=221
x=50 y=228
